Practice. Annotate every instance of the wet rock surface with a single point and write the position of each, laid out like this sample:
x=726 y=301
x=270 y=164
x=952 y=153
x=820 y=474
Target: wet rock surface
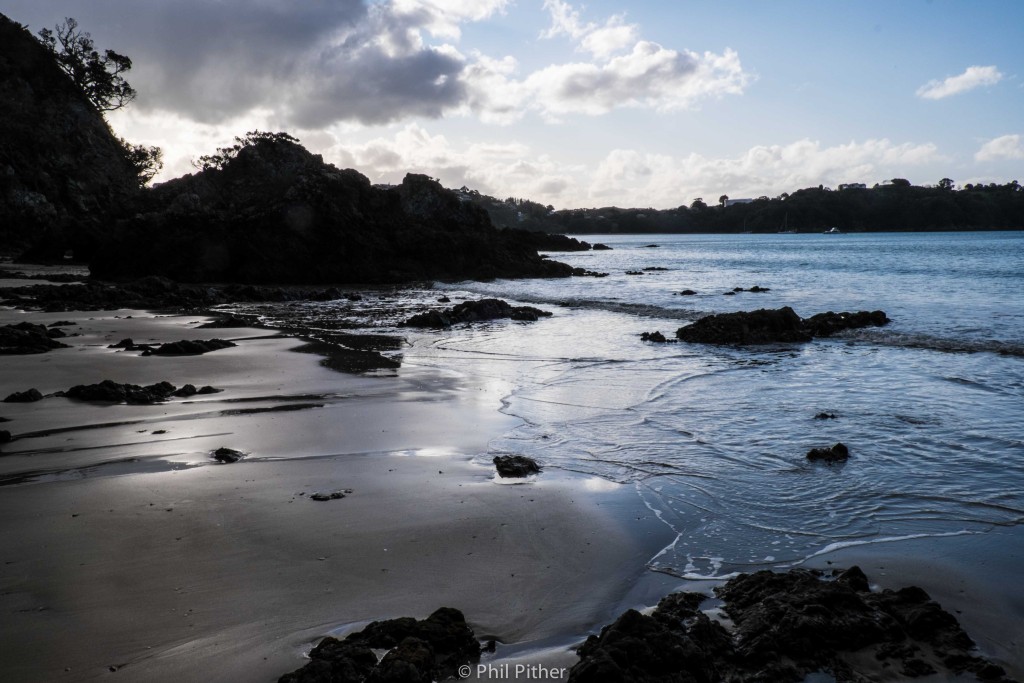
x=27 y=396
x=515 y=466
x=424 y=650
x=227 y=455
x=785 y=627
x=185 y=347
x=109 y=391
x=475 y=311
x=836 y=453
x=26 y=338
x=768 y=326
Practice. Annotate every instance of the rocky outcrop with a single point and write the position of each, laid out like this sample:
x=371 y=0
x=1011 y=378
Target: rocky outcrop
x=515 y=466
x=185 y=347
x=547 y=241
x=27 y=396
x=785 y=626
x=768 y=326
x=227 y=456
x=63 y=173
x=475 y=311
x=424 y=650
x=274 y=212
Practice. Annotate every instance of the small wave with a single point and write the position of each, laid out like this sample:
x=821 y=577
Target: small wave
x=933 y=343
x=839 y=545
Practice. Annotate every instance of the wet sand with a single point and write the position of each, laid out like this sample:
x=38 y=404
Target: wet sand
x=131 y=551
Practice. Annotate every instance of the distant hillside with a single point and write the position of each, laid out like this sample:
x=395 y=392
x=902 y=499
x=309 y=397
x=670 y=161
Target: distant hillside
x=897 y=205
x=63 y=173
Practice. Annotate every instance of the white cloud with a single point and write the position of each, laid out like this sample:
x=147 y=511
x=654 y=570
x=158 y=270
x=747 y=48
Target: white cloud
x=1004 y=147
x=973 y=77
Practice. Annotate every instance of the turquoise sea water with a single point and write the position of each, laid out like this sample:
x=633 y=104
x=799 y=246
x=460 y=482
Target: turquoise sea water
x=713 y=439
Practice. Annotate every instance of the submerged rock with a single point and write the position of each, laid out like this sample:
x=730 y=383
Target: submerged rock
x=515 y=465
x=785 y=626
x=601 y=247
x=836 y=453
x=333 y=495
x=583 y=272
x=655 y=336
x=430 y=649
x=768 y=326
x=475 y=311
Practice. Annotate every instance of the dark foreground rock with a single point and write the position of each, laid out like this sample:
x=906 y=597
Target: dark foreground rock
x=515 y=465
x=837 y=453
x=786 y=626
x=769 y=326
x=26 y=338
x=475 y=311
x=424 y=650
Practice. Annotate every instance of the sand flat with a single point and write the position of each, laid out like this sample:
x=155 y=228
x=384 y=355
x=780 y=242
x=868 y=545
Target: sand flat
x=136 y=551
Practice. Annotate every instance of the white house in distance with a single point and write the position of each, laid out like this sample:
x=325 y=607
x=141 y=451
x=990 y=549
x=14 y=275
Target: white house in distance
x=730 y=202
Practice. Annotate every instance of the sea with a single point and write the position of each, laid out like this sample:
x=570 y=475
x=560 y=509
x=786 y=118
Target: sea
x=713 y=439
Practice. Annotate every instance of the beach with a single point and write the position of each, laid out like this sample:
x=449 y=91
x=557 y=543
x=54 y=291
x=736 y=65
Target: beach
x=129 y=549
x=135 y=552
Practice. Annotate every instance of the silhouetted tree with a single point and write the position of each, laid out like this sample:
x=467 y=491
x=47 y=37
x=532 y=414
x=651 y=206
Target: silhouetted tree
x=147 y=161
x=945 y=184
x=98 y=76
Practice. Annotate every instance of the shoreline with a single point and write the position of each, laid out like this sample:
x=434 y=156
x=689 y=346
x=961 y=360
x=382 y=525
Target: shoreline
x=138 y=552
x=144 y=555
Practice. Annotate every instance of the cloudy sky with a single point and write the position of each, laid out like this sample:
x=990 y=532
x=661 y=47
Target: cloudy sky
x=643 y=103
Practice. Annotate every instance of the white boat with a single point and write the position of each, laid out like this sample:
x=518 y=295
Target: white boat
x=833 y=231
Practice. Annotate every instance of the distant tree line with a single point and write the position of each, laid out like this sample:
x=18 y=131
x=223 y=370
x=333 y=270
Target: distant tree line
x=894 y=205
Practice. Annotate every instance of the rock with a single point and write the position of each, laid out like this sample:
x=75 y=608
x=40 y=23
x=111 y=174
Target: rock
x=729 y=293
x=443 y=300
x=825 y=416
x=601 y=247
x=827 y=324
x=651 y=246
x=655 y=268
x=26 y=338
x=63 y=323
x=425 y=650
x=784 y=627
x=126 y=343
x=634 y=272
x=186 y=391
x=27 y=396
x=545 y=241
x=515 y=465
x=759 y=290
x=687 y=292
x=207 y=389
x=764 y=326
x=227 y=455
x=334 y=495
x=190 y=347
x=474 y=311
x=227 y=321
x=5 y=436
x=653 y=337
x=583 y=272
x=836 y=453
x=113 y=392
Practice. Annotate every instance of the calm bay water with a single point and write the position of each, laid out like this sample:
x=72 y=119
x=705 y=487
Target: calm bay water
x=713 y=439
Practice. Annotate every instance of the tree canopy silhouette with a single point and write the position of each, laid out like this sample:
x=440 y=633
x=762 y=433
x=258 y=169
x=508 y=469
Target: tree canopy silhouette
x=99 y=76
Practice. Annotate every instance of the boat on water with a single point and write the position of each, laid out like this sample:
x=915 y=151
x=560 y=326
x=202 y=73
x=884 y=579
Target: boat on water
x=833 y=231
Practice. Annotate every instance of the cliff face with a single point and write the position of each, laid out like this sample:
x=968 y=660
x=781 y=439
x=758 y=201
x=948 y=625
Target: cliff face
x=62 y=171
x=276 y=213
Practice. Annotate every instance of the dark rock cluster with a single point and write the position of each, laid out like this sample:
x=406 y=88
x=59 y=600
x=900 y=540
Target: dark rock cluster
x=768 y=326
x=185 y=347
x=836 y=453
x=786 y=626
x=26 y=338
x=475 y=311
x=419 y=651
x=114 y=392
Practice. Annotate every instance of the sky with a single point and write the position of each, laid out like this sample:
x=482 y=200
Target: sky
x=631 y=104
